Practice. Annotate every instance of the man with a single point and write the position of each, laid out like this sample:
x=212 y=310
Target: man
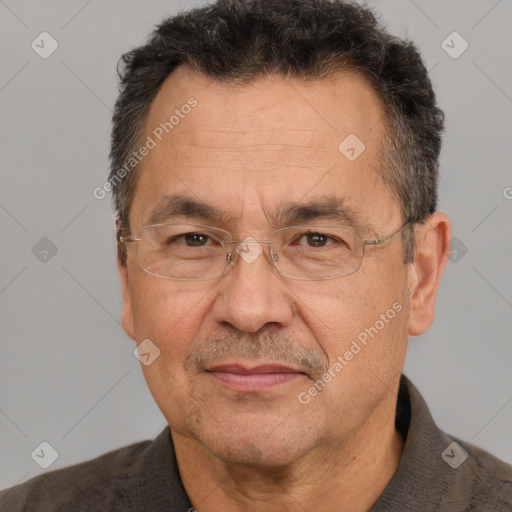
x=274 y=170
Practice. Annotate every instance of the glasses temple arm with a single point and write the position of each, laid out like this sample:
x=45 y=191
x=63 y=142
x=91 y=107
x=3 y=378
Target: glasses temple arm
x=385 y=238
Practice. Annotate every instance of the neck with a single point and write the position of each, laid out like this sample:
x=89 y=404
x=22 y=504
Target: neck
x=348 y=474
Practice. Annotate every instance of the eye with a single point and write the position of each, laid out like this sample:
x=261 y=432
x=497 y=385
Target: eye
x=316 y=239
x=196 y=239
x=190 y=239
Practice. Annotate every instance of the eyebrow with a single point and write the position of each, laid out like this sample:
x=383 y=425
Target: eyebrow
x=174 y=206
x=333 y=208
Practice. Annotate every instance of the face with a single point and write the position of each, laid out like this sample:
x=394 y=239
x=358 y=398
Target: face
x=240 y=354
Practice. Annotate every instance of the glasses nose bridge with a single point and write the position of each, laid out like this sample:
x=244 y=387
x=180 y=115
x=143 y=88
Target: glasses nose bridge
x=250 y=240
x=234 y=252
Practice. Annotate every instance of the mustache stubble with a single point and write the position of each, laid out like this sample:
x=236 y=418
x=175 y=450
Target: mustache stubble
x=268 y=346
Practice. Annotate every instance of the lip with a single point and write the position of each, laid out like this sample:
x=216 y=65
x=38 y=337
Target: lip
x=244 y=369
x=254 y=379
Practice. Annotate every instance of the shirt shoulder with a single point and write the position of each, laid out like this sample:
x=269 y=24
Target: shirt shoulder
x=439 y=472
x=78 y=487
x=484 y=480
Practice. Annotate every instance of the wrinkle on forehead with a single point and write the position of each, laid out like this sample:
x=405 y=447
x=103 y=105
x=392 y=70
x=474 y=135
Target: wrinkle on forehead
x=266 y=104
x=285 y=134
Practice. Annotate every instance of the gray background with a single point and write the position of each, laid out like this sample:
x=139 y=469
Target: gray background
x=68 y=374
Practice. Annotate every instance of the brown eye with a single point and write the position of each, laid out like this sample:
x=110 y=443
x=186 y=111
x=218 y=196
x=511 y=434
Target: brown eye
x=195 y=239
x=317 y=239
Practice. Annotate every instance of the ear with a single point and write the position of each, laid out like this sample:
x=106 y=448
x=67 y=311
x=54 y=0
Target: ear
x=432 y=252
x=127 y=313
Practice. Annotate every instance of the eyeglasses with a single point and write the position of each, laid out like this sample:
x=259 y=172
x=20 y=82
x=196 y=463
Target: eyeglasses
x=186 y=252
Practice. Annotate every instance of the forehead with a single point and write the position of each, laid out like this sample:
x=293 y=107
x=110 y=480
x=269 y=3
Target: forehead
x=273 y=140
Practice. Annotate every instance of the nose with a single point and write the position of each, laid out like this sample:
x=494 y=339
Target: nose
x=252 y=293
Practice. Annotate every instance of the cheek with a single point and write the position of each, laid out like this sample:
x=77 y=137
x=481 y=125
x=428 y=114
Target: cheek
x=365 y=350
x=363 y=309
x=169 y=313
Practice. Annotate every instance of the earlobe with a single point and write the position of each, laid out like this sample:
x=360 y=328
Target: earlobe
x=432 y=251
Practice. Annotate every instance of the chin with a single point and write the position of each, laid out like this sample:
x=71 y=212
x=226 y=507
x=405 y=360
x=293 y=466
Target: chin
x=256 y=452
x=265 y=440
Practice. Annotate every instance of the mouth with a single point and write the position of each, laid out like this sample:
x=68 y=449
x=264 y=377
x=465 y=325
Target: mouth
x=254 y=379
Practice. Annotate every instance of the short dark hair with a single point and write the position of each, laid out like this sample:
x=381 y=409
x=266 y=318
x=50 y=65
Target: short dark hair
x=241 y=40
